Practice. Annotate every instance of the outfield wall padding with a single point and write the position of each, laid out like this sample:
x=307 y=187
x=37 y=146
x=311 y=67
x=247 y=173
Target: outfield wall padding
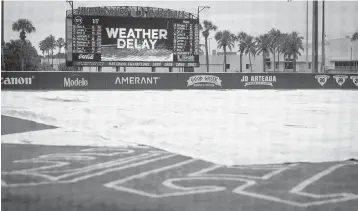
x=170 y=81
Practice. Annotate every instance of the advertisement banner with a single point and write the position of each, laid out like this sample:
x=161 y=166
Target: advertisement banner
x=76 y=81
x=207 y=81
x=141 y=81
x=19 y=80
x=169 y=81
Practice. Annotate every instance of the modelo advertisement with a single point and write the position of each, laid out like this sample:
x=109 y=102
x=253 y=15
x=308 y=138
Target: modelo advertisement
x=128 y=41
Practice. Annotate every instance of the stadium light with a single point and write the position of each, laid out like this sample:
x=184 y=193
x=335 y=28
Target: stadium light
x=307 y=66
x=349 y=38
x=2 y=36
x=201 y=8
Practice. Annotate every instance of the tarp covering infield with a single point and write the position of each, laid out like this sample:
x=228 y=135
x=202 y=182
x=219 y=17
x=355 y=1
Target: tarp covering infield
x=172 y=81
x=230 y=127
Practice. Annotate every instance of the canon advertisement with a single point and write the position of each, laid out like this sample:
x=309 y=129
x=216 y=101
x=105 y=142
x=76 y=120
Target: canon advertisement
x=129 y=41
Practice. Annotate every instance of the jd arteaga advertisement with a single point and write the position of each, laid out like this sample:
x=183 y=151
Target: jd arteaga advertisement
x=136 y=39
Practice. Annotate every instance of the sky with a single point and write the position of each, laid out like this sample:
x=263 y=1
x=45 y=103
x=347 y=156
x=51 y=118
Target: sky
x=252 y=17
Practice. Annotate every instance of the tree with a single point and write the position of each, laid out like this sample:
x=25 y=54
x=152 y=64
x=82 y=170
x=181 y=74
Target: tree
x=23 y=26
x=250 y=48
x=263 y=45
x=64 y=67
x=12 y=54
x=292 y=47
x=51 y=45
x=281 y=48
x=47 y=49
x=60 y=43
x=20 y=57
x=42 y=46
x=208 y=27
x=354 y=37
x=275 y=35
x=225 y=39
x=241 y=38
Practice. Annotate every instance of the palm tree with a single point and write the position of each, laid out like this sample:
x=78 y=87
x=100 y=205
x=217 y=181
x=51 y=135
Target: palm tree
x=23 y=26
x=47 y=49
x=294 y=45
x=280 y=48
x=250 y=48
x=275 y=35
x=208 y=27
x=241 y=37
x=354 y=37
x=42 y=46
x=225 y=39
x=50 y=45
x=60 y=43
x=285 y=48
x=263 y=45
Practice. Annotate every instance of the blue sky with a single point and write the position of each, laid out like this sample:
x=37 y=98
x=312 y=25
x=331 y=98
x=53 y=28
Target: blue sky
x=253 y=17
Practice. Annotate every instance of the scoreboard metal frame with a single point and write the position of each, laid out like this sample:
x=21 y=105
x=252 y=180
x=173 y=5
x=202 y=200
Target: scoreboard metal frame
x=87 y=58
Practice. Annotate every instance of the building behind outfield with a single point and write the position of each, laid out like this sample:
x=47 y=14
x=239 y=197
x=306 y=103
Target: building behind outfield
x=341 y=57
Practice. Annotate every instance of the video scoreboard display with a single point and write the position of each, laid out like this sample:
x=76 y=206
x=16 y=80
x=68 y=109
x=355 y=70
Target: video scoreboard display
x=132 y=41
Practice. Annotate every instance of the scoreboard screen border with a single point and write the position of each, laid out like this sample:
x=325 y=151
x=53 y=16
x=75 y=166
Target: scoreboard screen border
x=72 y=62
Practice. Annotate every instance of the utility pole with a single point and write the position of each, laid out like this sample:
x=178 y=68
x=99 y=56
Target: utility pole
x=315 y=37
x=2 y=36
x=210 y=46
x=201 y=8
x=307 y=35
x=323 y=38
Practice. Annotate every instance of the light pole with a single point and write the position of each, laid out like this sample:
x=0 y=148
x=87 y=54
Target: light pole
x=306 y=32
x=307 y=35
x=323 y=39
x=2 y=36
x=315 y=37
x=201 y=8
x=350 y=41
x=209 y=46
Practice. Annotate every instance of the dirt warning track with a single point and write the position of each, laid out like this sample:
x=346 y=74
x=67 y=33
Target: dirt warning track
x=142 y=178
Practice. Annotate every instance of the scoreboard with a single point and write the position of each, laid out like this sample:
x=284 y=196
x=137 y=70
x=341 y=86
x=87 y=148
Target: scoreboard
x=132 y=41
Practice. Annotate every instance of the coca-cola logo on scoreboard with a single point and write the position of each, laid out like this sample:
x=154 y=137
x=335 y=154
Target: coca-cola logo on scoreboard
x=86 y=56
